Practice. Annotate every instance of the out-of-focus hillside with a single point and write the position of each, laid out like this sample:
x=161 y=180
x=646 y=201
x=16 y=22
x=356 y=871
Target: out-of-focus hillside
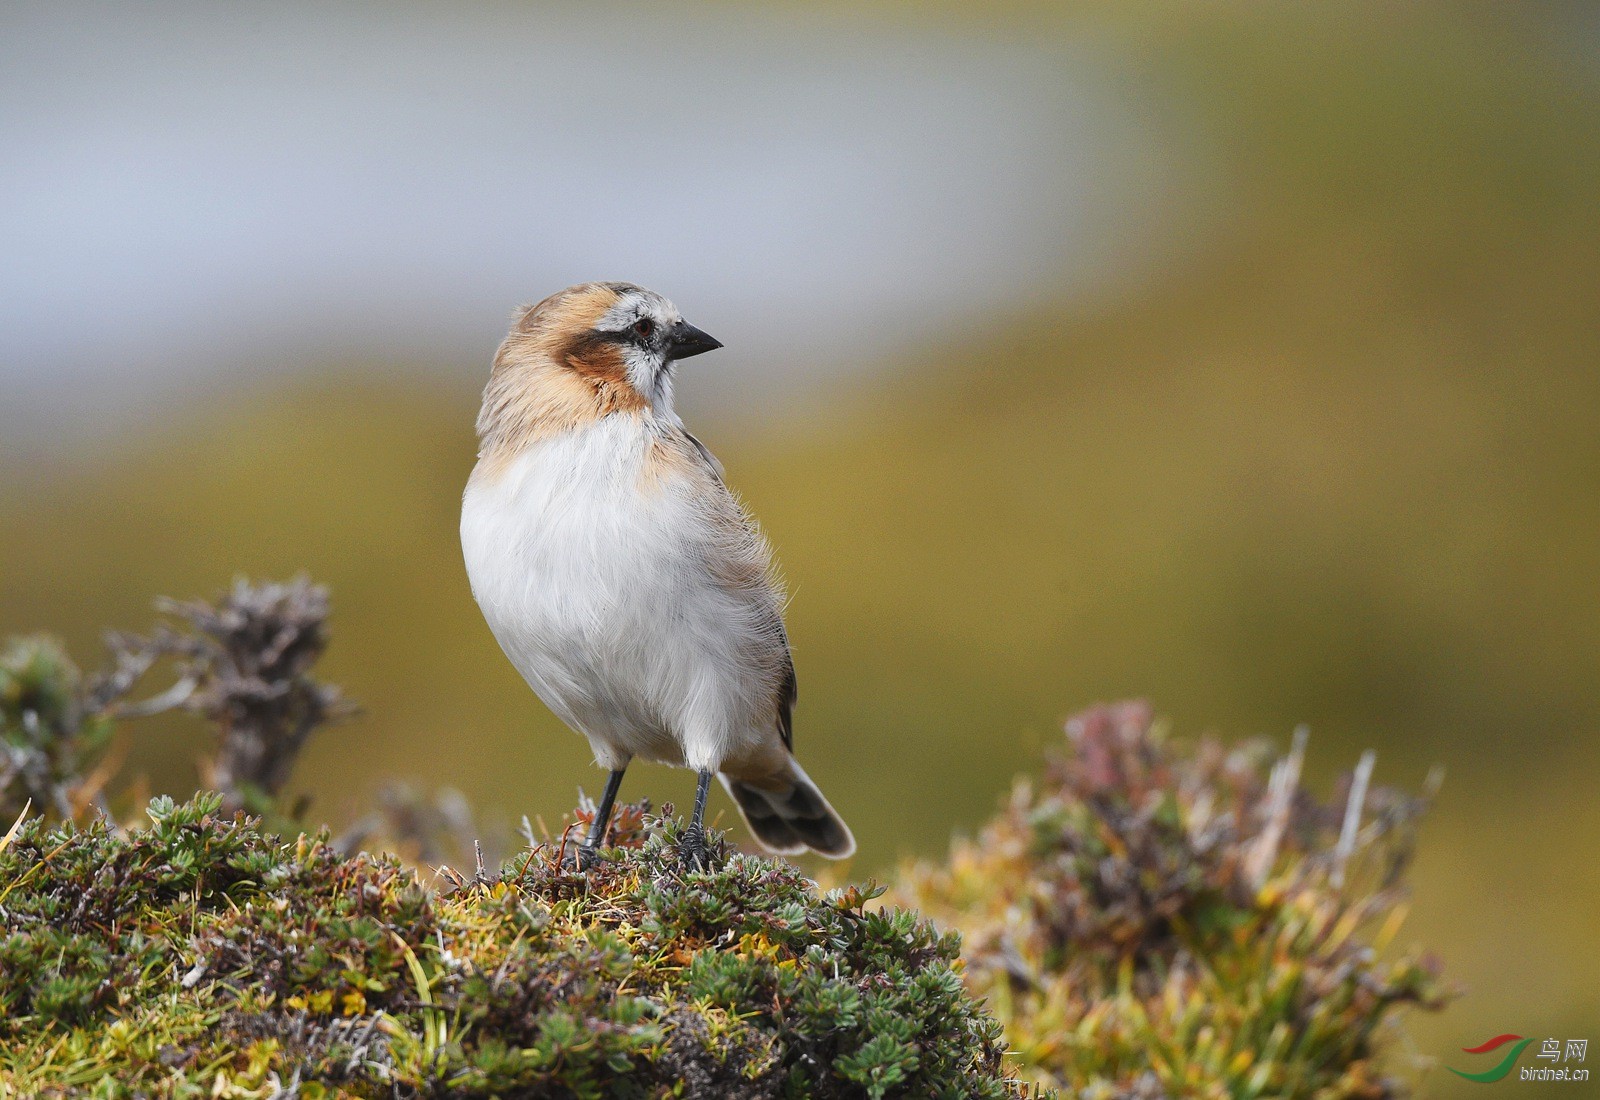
x=1337 y=464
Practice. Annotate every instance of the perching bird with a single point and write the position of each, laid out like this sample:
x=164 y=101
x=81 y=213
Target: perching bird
x=621 y=576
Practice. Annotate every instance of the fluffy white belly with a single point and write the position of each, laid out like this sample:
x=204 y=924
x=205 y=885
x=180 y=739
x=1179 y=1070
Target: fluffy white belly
x=597 y=587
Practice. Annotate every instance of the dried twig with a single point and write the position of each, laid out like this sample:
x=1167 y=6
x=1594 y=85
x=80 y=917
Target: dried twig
x=1352 y=815
x=244 y=664
x=1281 y=787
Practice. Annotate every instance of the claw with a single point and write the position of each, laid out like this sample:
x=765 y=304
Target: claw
x=692 y=848
x=693 y=852
x=581 y=858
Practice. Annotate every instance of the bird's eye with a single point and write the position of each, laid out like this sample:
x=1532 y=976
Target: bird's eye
x=644 y=326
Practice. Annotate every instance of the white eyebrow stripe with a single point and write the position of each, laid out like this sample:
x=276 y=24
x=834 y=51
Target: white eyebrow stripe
x=634 y=305
x=621 y=315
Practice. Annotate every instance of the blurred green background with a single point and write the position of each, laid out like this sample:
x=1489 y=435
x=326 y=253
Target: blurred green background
x=1324 y=449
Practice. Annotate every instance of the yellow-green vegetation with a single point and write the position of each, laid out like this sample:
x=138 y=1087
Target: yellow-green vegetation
x=1139 y=922
x=203 y=957
x=1147 y=921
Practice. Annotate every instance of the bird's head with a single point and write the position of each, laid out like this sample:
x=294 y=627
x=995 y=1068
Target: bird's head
x=585 y=352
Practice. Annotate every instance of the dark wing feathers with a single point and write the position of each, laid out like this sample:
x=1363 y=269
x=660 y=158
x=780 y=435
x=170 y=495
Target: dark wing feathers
x=787 y=693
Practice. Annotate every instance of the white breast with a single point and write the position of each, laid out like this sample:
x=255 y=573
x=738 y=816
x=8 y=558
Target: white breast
x=595 y=582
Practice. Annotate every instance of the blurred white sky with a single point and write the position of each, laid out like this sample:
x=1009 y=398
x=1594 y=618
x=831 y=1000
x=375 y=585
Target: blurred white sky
x=194 y=194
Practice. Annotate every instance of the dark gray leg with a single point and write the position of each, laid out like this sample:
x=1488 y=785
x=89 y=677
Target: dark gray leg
x=590 y=849
x=692 y=848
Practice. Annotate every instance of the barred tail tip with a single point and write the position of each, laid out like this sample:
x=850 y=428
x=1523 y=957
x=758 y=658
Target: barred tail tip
x=791 y=816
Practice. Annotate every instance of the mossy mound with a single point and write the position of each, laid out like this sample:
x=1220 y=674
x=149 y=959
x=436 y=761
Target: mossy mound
x=203 y=957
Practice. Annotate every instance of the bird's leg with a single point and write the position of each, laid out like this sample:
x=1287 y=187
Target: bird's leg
x=692 y=847
x=589 y=851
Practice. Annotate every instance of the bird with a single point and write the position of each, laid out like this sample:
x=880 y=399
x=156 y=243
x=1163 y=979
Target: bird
x=624 y=579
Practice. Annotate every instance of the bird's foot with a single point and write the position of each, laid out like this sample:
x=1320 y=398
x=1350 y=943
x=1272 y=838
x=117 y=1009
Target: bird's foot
x=580 y=858
x=693 y=851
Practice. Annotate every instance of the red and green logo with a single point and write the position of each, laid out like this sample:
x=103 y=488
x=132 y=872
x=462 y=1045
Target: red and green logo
x=1506 y=1063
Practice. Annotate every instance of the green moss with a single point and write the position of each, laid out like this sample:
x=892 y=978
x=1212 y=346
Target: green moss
x=202 y=957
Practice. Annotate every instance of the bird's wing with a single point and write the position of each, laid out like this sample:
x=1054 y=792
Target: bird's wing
x=746 y=566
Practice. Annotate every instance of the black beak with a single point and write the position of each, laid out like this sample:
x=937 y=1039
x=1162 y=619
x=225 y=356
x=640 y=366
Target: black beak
x=686 y=340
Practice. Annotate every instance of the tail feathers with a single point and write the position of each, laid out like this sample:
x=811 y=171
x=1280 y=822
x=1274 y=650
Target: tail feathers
x=788 y=814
